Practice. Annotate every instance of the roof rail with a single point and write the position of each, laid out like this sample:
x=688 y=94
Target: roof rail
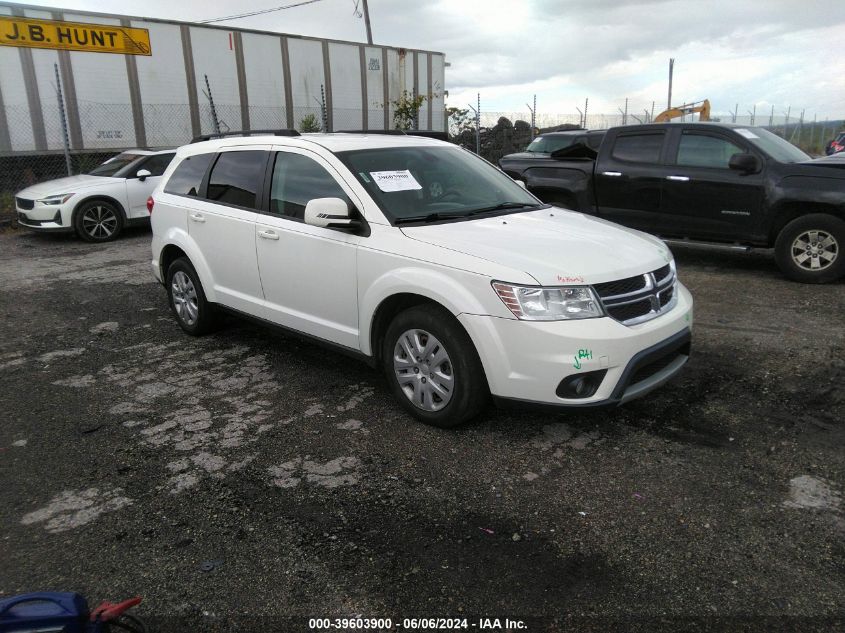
x=208 y=137
x=387 y=132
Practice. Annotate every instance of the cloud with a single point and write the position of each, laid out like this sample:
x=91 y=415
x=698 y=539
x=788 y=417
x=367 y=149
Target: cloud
x=747 y=51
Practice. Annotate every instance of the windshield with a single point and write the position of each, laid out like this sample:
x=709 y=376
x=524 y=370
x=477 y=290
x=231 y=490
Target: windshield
x=781 y=150
x=549 y=144
x=434 y=183
x=114 y=165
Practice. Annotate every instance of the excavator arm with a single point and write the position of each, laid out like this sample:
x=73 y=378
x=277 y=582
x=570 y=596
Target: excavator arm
x=702 y=108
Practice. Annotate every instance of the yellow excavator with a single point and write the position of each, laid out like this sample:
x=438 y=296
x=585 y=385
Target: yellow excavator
x=700 y=107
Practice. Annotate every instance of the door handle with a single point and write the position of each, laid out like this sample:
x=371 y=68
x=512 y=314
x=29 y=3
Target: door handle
x=611 y=173
x=678 y=178
x=268 y=235
x=196 y=217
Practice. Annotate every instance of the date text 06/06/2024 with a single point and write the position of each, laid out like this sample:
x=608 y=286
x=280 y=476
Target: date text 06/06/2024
x=386 y=624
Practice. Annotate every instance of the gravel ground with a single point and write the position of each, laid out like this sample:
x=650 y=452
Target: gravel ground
x=249 y=478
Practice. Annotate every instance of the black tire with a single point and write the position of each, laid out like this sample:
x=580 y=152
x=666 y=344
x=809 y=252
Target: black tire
x=98 y=221
x=193 y=312
x=468 y=393
x=789 y=249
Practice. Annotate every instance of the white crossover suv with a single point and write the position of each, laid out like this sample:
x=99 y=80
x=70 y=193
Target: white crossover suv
x=423 y=260
x=96 y=205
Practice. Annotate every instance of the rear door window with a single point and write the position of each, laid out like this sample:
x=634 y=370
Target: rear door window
x=186 y=179
x=236 y=178
x=639 y=148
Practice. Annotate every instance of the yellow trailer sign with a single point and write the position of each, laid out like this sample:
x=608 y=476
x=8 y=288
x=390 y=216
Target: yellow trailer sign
x=73 y=36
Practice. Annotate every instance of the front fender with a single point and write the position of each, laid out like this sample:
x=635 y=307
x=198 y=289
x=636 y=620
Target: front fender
x=811 y=190
x=456 y=296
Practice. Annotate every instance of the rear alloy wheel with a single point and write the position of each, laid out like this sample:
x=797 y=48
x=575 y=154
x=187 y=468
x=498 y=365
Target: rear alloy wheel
x=432 y=367
x=810 y=249
x=98 y=221
x=193 y=312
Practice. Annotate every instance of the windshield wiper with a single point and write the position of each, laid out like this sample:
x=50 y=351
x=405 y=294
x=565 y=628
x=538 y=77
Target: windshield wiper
x=506 y=205
x=434 y=217
x=431 y=217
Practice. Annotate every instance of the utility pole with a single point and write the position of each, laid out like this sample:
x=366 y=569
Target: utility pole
x=66 y=142
x=800 y=127
x=651 y=116
x=586 y=103
x=533 y=116
x=772 y=117
x=477 y=125
x=671 y=72
x=367 y=22
x=786 y=121
x=813 y=133
x=734 y=113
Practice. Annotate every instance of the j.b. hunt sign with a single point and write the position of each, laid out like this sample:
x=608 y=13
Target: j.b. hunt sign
x=73 y=36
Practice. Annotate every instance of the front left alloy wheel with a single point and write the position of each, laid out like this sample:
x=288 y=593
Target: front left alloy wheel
x=97 y=221
x=810 y=248
x=432 y=367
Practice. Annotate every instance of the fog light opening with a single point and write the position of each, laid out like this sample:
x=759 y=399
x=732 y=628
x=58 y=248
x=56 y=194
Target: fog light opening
x=580 y=385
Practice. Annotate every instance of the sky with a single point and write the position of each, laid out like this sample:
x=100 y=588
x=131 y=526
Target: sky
x=763 y=53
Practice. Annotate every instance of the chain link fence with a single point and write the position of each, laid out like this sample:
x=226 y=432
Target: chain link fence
x=496 y=134
x=106 y=129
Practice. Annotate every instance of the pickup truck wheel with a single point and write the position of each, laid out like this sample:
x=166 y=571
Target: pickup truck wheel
x=811 y=249
x=433 y=368
x=193 y=312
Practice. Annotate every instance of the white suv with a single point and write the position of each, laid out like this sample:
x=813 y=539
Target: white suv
x=425 y=261
x=96 y=205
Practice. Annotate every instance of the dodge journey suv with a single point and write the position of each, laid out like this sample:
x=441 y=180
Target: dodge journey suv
x=423 y=260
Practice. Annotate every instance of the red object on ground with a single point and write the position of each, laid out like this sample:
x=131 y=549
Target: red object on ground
x=108 y=611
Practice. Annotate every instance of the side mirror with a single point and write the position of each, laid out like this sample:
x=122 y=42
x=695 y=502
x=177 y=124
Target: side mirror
x=521 y=183
x=746 y=163
x=329 y=213
x=142 y=174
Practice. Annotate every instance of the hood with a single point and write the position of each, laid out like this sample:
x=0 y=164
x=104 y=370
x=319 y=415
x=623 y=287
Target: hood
x=555 y=246
x=521 y=155
x=836 y=161
x=70 y=184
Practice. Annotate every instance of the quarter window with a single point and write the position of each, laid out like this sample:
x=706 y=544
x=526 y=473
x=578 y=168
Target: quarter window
x=700 y=150
x=236 y=177
x=638 y=148
x=187 y=177
x=298 y=179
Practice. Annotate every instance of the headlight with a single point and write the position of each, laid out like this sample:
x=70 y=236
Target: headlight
x=549 y=304
x=59 y=198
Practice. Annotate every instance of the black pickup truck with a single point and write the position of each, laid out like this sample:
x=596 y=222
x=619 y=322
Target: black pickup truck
x=710 y=182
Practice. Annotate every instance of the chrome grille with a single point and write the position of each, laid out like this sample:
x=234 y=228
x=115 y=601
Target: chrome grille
x=640 y=298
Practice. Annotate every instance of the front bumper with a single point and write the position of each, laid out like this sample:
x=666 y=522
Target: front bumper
x=48 y=218
x=526 y=361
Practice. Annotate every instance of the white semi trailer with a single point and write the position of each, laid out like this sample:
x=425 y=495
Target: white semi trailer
x=143 y=82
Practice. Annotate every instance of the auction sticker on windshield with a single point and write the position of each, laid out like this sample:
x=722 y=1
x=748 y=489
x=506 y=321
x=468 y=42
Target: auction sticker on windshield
x=395 y=180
